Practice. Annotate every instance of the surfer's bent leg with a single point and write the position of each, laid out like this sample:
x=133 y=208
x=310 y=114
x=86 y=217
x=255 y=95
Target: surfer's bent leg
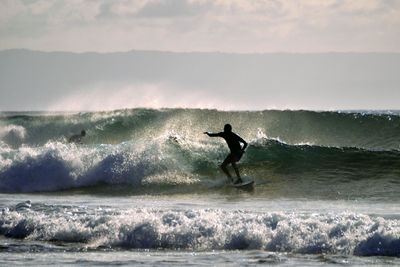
x=235 y=159
x=239 y=180
x=224 y=164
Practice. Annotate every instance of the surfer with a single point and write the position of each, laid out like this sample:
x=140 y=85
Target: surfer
x=233 y=140
x=77 y=138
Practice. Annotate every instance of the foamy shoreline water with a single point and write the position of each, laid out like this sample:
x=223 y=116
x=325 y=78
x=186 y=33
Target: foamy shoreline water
x=188 y=228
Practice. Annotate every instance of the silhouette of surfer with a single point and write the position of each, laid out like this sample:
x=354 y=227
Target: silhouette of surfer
x=233 y=140
x=77 y=138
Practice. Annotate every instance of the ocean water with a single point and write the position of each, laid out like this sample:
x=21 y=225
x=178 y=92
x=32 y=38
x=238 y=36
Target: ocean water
x=145 y=188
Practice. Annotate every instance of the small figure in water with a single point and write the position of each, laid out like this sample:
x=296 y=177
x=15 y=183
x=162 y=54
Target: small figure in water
x=233 y=140
x=77 y=139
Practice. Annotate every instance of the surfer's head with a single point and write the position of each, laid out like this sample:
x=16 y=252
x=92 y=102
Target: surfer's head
x=83 y=133
x=227 y=128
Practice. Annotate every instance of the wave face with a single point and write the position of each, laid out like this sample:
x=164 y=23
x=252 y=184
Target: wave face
x=204 y=229
x=159 y=151
x=368 y=130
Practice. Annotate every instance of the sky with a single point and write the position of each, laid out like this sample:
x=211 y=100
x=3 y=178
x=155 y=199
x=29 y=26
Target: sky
x=237 y=27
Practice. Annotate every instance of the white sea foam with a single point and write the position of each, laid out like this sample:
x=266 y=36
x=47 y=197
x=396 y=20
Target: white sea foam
x=12 y=135
x=58 y=165
x=207 y=229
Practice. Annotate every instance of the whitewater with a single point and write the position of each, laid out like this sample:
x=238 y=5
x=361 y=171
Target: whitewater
x=145 y=188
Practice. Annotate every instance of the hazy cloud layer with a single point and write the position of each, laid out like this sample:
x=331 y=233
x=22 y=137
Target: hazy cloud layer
x=201 y=25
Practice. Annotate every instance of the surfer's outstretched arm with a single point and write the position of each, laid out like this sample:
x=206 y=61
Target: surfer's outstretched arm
x=212 y=134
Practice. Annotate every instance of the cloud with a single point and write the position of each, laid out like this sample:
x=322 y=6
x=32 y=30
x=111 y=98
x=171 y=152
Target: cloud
x=201 y=25
x=153 y=9
x=173 y=8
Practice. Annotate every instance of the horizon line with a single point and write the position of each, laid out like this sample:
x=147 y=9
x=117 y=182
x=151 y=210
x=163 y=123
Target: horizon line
x=197 y=52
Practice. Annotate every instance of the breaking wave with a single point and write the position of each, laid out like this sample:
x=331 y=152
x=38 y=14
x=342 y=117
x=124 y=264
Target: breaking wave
x=155 y=151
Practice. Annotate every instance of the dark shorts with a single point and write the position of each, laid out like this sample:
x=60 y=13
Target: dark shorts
x=234 y=157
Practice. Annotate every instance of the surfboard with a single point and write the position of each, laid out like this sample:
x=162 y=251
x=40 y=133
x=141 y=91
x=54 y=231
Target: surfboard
x=244 y=184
